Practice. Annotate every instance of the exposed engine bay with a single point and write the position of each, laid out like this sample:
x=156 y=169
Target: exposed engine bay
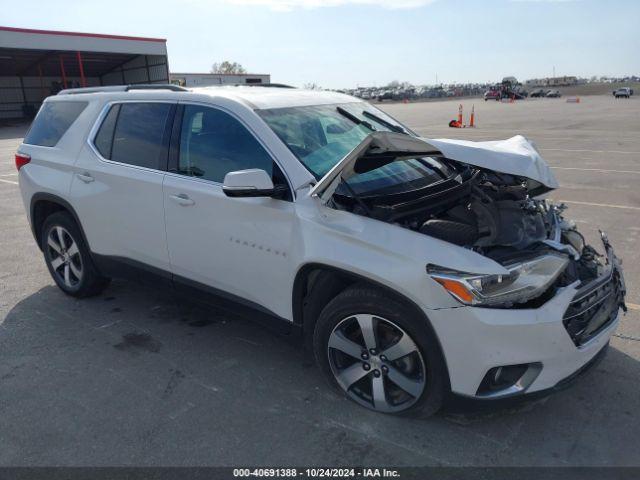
x=471 y=208
x=488 y=212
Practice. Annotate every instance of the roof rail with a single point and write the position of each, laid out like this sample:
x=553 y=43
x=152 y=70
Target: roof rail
x=263 y=85
x=122 y=88
x=157 y=86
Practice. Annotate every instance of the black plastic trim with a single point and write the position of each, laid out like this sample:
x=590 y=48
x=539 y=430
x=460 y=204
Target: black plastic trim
x=166 y=138
x=122 y=267
x=276 y=192
x=232 y=303
x=174 y=144
x=464 y=402
x=48 y=197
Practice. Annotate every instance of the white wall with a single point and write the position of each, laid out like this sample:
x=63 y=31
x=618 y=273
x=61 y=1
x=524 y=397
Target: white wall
x=209 y=79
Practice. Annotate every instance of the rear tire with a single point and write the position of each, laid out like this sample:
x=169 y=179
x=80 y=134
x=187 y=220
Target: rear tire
x=68 y=258
x=380 y=353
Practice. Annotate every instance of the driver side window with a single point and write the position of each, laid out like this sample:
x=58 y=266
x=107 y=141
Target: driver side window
x=213 y=143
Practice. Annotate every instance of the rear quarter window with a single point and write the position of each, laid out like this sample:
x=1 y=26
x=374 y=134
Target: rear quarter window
x=104 y=138
x=52 y=122
x=135 y=134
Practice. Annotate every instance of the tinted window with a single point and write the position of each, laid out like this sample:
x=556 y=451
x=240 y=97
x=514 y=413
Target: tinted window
x=104 y=139
x=139 y=133
x=213 y=143
x=52 y=121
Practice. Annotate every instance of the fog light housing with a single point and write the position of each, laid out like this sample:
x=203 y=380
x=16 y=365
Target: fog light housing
x=508 y=380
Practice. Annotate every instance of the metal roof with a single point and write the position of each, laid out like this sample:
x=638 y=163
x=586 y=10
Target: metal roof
x=32 y=39
x=81 y=34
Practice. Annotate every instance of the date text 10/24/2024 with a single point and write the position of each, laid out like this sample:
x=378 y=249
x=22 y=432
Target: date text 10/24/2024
x=316 y=473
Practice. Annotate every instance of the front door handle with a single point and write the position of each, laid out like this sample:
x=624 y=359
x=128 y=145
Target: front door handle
x=182 y=199
x=85 y=177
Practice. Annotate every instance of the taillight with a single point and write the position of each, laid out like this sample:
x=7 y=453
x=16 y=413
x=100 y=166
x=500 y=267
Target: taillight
x=22 y=159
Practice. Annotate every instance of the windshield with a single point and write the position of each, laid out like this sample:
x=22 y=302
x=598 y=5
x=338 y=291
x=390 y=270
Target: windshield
x=321 y=135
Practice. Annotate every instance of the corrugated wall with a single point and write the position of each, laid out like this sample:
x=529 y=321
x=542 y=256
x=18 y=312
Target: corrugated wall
x=142 y=69
x=35 y=90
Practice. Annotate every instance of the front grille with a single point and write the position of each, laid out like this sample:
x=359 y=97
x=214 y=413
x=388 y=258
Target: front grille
x=593 y=310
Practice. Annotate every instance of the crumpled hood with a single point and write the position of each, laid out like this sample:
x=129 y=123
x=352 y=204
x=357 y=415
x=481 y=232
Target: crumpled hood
x=514 y=156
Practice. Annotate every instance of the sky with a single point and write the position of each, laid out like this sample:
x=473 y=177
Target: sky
x=349 y=43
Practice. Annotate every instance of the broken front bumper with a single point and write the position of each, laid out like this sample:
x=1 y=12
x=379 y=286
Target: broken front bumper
x=555 y=341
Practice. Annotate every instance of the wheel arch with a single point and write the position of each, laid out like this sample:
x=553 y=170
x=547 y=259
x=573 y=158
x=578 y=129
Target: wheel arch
x=42 y=206
x=316 y=284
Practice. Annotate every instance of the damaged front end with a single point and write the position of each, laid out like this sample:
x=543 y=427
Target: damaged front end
x=484 y=196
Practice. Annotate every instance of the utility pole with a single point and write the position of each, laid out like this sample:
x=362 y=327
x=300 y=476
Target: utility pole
x=554 y=71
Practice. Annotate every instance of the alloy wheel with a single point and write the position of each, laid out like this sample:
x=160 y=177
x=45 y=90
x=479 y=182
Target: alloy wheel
x=64 y=256
x=376 y=363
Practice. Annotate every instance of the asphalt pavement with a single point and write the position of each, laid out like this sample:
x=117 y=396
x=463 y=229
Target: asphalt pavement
x=138 y=377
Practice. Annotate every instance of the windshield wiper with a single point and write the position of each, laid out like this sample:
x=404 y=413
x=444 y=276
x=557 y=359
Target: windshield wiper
x=382 y=121
x=355 y=119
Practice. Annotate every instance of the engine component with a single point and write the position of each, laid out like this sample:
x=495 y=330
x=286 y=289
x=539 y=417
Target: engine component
x=454 y=232
x=475 y=209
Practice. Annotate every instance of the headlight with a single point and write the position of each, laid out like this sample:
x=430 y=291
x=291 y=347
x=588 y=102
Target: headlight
x=525 y=280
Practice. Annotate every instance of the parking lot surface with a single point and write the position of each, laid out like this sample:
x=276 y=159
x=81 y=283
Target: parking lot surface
x=137 y=377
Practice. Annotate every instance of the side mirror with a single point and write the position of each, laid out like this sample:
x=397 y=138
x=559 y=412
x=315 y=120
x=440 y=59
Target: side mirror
x=253 y=182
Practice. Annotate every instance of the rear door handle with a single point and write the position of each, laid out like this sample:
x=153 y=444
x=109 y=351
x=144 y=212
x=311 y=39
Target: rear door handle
x=182 y=199
x=85 y=177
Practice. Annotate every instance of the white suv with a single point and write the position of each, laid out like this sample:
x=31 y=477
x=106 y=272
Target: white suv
x=410 y=267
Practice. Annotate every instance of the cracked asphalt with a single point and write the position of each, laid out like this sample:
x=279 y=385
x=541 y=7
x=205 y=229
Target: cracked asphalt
x=138 y=377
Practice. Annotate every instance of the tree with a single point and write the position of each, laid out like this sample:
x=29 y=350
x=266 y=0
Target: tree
x=227 y=67
x=312 y=86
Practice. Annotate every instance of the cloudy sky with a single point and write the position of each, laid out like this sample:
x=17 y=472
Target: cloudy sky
x=344 y=43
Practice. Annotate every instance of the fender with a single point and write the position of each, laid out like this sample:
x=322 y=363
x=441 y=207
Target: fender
x=48 y=197
x=301 y=309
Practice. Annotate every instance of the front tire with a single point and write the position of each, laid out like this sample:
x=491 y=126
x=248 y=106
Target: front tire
x=68 y=258
x=380 y=353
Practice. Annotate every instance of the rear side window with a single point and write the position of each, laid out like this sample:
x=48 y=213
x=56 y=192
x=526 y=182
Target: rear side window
x=104 y=139
x=134 y=133
x=52 y=121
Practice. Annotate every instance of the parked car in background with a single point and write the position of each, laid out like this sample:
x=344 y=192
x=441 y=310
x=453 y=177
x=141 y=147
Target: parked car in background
x=408 y=267
x=553 y=94
x=540 y=92
x=385 y=95
x=492 y=95
x=624 y=92
x=521 y=92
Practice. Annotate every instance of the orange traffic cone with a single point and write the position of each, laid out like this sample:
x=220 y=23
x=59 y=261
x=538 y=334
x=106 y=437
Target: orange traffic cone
x=472 y=119
x=457 y=123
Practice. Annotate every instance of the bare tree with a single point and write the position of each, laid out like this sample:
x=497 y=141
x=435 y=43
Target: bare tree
x=312 y=86
x=227 y=67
